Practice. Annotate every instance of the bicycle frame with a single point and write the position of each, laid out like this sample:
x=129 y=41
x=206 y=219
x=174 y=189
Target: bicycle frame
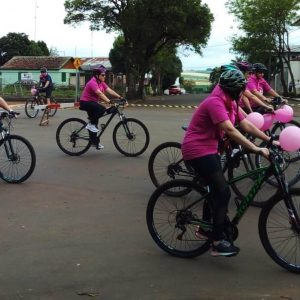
x=261 y=175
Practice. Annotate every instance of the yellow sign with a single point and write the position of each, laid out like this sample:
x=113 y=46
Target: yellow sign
x=77 y=63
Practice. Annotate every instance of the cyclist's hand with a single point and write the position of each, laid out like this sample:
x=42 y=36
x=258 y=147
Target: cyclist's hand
x=270 y=109
x=13 y=114
x=264 y=152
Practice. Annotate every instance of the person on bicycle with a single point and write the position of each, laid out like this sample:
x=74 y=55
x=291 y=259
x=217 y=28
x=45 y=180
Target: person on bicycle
x=248 y=101
x=45 y=84
x=259 y=87
x=94 y=91
x=216 y=116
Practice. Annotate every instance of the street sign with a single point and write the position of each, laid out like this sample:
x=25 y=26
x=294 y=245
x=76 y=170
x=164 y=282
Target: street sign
x=77 y=63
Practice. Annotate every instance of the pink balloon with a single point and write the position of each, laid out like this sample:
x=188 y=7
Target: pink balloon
x=288 y=108
x=256 y=119
x=289 y=138
x=268 y=121
x=283 y=115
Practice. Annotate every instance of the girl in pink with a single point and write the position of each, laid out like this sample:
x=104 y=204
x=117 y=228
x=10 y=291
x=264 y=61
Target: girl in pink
x=93 y=92
x=215 y=117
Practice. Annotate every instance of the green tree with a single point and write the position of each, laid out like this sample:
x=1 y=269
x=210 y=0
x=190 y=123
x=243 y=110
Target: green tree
x=147 y=27
x=265 y=24
x=165 y=67
x=18 y=44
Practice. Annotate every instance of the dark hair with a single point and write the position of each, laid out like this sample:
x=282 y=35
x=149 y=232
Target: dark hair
x=43 y=70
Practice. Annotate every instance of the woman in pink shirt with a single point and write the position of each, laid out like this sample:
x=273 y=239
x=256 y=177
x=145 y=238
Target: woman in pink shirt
x=216 y=116
x=93 y=92
x=259 y=87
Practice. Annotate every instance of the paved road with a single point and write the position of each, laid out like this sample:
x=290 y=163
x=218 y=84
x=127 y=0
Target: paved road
x=77 y=227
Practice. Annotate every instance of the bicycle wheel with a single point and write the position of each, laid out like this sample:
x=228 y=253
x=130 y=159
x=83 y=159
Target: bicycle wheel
x=17 y=159
x=29 y=108
x=242 y=164
x=72 y=137
x=52 y=111
x=131 y=137
x=279 y=237
x=172 y=221
x=166 y=163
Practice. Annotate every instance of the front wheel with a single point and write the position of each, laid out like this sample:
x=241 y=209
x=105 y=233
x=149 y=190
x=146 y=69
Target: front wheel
x=173 y=221
x=17 y=159
x=278 y=232
x=131 y=137
x=30 y=110
x=72 y=137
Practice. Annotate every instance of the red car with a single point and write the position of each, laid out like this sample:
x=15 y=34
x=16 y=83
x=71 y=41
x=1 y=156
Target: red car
x=174 y=90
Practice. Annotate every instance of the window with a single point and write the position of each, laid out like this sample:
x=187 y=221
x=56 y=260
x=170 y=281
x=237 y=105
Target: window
x=63 y=77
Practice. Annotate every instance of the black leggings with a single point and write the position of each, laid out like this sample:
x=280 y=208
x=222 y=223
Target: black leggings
x=94 y=110
x=209 y=168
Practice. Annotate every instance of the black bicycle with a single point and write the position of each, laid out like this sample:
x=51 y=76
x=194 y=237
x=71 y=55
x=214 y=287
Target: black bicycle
x=130 y=136
x=17 y=156
x=37 y=103
x=173 y=221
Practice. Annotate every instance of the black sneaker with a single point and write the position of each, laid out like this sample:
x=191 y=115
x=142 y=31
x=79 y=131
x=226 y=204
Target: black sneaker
x=224 y=248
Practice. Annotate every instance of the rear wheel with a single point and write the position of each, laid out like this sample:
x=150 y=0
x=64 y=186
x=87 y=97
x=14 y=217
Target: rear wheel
x=52 y=111
x=172 y=221
x=72 y=137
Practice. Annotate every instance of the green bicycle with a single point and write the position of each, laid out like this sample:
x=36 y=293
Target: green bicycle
x=172 y=221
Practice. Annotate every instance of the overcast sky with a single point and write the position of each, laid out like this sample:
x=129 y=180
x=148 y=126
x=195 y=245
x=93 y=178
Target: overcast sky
x=43 y=20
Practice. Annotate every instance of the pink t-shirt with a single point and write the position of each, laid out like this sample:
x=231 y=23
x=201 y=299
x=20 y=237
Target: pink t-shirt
x=203 y=134
x=89 y=92
x=259 y=84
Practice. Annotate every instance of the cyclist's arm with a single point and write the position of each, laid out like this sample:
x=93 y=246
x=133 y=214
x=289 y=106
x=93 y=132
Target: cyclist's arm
x=260 y=96
x=4 y=105
x=246 y=103
x=235 y=135
x=112 y=93
x=256 y=100
x=253 y=130
x=102 y=96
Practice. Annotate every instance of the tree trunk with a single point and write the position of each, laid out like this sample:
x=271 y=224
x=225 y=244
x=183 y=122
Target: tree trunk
x=141 y=88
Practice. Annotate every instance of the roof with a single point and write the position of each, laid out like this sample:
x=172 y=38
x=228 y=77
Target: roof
x=87 y=63
x=36 y=62
x=297 y=22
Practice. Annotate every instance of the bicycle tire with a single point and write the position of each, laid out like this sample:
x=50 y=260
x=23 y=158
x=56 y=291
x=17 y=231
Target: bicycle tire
x=168 y=233
x=279 y=239
x=241 y=188
x=136 y=143
x=53 y=111
x=17 y=159
x=29 y=108
x=166 y=162
x=69 y=140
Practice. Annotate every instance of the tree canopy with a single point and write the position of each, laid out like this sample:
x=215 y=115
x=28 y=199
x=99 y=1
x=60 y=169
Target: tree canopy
x=265 y=26
x=147 y=27
x=18 y=44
